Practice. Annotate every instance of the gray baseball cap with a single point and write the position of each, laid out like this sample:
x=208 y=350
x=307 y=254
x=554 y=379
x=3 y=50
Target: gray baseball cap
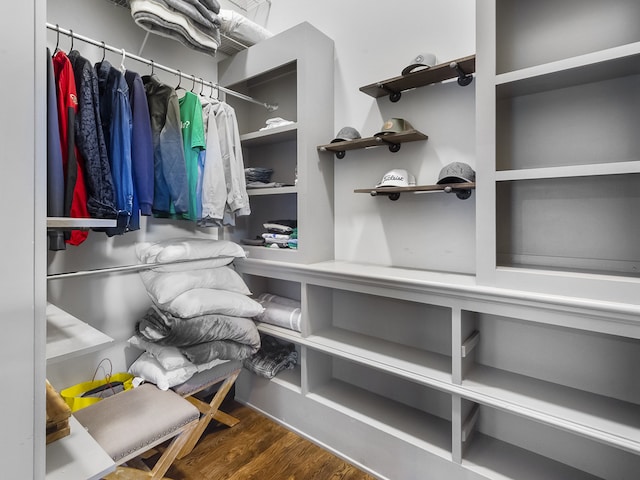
x=346 y=133
x=456 y=172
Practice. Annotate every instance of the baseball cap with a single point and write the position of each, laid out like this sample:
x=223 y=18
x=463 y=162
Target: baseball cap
x=398 y=177
x=420 y=60
x=346 y=133
x=394 y=125
x=456 y=172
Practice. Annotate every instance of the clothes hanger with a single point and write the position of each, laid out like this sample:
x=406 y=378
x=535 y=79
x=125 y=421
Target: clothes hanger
x=104 y=54
x=55 y=50
x=179 y=81
x=71 y=34
x=201 y=87
x=123 y=69
x=193 y=84
x=153 y=66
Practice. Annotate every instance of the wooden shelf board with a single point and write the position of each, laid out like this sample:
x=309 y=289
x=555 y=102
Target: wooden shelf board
x=390 y=139
x=271 y=135
x=494 y=458
x=606 y=420
x=418 y=188
x=428 y=367
x=435 y=74
x=68 y=337
x=77 y=456
x=414 y=426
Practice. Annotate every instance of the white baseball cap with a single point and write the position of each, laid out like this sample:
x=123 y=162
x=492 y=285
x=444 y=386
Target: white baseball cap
x=398 y=177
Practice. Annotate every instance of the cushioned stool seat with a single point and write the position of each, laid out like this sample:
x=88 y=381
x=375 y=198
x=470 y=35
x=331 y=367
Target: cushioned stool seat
x=132 y=422
x=226 y=372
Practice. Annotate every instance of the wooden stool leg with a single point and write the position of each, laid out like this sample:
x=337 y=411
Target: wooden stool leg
x=208 y=412
x=161 y=466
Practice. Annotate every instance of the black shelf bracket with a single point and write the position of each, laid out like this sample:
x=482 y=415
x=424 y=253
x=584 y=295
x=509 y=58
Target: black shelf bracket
x=464 y=78
x=394 y=96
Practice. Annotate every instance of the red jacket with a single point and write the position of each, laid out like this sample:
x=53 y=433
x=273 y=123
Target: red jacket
x=75 y=192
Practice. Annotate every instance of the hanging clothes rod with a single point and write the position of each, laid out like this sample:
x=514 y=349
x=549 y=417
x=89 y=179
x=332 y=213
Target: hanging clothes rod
x=122 y=268
x=70 y=33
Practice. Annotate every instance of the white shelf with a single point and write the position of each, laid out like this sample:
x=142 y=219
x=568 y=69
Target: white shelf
x=615 y=168
x=592 y=67
x=414 y=426
x=501 y=461
x=271 y=135
x=408 y=362
x=68 y=223
x=68 y=337
x=77 y=456
x=279 y=332
x=606 y=420
x=252 y=192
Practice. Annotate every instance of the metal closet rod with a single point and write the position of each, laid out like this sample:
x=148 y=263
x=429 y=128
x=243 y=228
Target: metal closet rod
x=151 y=63
x=124 y=268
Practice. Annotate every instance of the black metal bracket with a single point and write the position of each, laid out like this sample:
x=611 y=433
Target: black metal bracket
x=464 y=78
x=393 y=95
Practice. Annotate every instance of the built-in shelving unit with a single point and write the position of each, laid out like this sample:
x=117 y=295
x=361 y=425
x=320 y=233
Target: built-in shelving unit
x=472 y=381
x=77 y=455
x=565 y=165
x=68 y=336
x=273 y=70
x=462 y=68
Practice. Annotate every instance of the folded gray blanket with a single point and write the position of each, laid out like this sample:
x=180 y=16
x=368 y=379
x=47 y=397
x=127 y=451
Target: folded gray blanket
x=203 y=338
x=205 y=19
x=217 y=349
x=158 y=17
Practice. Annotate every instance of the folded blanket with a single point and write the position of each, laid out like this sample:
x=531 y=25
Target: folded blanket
x=165 y=329
x=206 y=20
x=241 y=29
x=280 y=311
x=156 y=17
x=217 y=349
x=273 y=357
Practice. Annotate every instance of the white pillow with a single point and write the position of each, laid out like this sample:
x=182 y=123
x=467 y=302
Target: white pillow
x=148 y=368
x=203 y=301
x=168 y=357
x=164 y=287
x=189 y=249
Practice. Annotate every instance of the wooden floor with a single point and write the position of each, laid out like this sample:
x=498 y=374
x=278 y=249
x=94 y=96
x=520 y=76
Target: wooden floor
x=259 y=449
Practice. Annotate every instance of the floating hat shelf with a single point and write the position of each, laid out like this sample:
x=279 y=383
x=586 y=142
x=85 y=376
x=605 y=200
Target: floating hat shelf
x=462 y=190
x=463 y=68
x=392 y=140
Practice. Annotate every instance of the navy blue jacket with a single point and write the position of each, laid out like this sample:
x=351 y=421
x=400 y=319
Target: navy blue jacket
x=90 y=141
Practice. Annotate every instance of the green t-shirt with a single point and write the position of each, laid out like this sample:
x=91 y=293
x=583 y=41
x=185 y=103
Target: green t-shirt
x=193 y=139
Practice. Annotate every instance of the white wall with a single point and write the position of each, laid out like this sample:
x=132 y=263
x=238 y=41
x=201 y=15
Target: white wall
x=375 y=41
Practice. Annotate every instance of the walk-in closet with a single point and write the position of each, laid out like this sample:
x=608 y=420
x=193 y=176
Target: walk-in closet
x=424 y=208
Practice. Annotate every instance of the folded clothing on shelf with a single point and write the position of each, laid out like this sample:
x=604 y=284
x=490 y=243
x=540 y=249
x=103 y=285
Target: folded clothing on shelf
x=273 y=357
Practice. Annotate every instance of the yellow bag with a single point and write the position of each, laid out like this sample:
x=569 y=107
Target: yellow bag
x=84 y=394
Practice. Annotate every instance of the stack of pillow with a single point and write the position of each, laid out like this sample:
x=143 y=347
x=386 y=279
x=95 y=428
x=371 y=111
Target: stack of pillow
x=201 y=314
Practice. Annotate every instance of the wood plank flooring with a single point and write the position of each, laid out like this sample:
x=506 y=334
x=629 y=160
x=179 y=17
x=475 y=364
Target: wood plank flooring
x=259 y=449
